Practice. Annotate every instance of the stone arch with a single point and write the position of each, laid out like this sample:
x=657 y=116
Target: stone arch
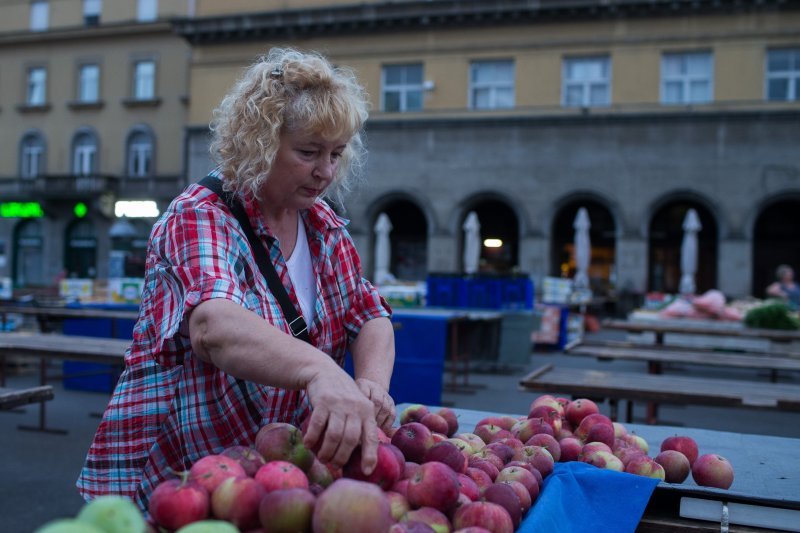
x=773 y=234
x=412 y=224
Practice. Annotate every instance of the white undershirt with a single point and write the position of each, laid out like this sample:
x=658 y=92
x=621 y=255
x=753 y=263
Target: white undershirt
x=301 y=272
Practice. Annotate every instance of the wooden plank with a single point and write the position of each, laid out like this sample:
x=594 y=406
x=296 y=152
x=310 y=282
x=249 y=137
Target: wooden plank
x=687 y=355
x=650 y=346
x=669 y=389
x=701 y=329
x=66 y=312
x=10 y=398
x=93 y=349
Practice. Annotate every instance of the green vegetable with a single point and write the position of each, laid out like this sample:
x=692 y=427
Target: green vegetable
x=773 y=315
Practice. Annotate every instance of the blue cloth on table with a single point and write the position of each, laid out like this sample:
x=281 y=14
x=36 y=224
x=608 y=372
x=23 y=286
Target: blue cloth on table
x=578 y=497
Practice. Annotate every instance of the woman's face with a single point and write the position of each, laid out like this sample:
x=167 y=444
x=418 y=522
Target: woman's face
x=304 y=167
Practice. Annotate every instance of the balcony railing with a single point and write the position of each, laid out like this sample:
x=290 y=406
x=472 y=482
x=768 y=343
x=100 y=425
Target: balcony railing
x=71 y=186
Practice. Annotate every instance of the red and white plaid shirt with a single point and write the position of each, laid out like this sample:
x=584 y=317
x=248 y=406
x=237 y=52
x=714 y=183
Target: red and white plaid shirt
x=170 y=408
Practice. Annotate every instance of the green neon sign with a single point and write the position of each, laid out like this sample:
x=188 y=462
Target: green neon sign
x=80 y=210
x=21 y=210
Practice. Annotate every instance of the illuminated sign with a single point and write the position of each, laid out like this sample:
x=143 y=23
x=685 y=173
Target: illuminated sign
x=21 y=210
x=136 y=209
x=80 y=210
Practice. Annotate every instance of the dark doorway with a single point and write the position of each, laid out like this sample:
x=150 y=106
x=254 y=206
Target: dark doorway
x=498 y=222
x=409 y=240
x=80 y=250
x=776 y=241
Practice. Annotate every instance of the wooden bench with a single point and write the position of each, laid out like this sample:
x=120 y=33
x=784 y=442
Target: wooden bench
x=11 y=398
x=662 y=388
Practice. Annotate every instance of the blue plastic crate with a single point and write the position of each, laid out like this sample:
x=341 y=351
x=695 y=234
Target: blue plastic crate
x=413 y=380
x=90 y=377
x=484 y=292
x=446 y=291
x=516 y=293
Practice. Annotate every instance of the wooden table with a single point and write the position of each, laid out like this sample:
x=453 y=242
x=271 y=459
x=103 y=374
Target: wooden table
x=11 y=398
x=685 y=326
x=55 y=346
x=661 y=388
x=45 y=315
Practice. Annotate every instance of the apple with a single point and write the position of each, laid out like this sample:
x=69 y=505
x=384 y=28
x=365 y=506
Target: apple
x=627 y=454
x=435 y=423
x=491 y=432
x=463 y=446
x=452 y=420
x=286 y=510
x=487 y=515
x=249 y=458
x=413 y=413
x=712 y=470
x=398 y=504
x=548 y=442
x=547 y=400
x=409 y=469
x=447 y=453
x=579 y=409
x=236 y=500
x=349 y=505
x=434 y=485
x=177 y=502
x=619 y=430
x=401 y=487
x=549 y=415
x=512 y=442
x=570 y=448
x=635 y=440
x=211 y=470
x=539 y=458
x=209 y=526
x=277 y=475
x=283 y=442
x=434 y=518
x=582 y=430
x=604 y=459
x=319 y=474
x=686 y=445
x=413 y=440
x=504 y=422
x=525 y=429
x=489 y=456
x=387 y=470
x=501 y=450
x=401 y=459
x=520 y=475
x=474 y=441
x=68 y=525
x=645 y=466
x=480 y=477
x=676 y=466
x=114 y=514
x=411 y=526
x=522 y=493
x=468 y=487
x=592 y=447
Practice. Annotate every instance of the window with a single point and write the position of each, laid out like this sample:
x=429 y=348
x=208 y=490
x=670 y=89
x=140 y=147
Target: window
x=31 y=155
x=89 y=83
x=783 y=74
x=84 y=157
x=140 y=154
x=91 y=12
x=491 y=84
x=146 y=10
x=40 y=15
x=586 y=82
x=36 y=93
x=144 y=80
x=686 y=78
x=402 y=88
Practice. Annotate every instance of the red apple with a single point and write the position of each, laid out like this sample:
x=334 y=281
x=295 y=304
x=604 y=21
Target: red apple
x=468 y=487
x=398 y=504
x=676 y=466
x=539 y=458
x=481 y=478
x=211 y=470
x=474 y=441
x=582 y=430
x=236 y=500
x=592 y=447
x=503 y=495
x=570 y=448
x=319 y=474
x=387 y=470
x=411 y=526
x=434 y=485
x=686 y=445
x=712 y=470
x=604 y=459
x=246 y=456
x=490 y=432
x=520 y=475
x=504 y=422
x=277 y=475
x=522 y=493
x=447 y=453
x=549 y=415
x=283 y=442
x=503 y=451
x=627 y=454
x=401 y=487
x=579 y=409
x=452 y=420
x=413 y=440
x=488 y=468
x=435 y=423
x=413 y=413
x=635 y=440
x=643 y=465
x=487 y=515
x=434 y=518
x=409 y=469
x=349 y=505
x=463 y=446
x=525 y=429
x=547 y=400
x=286 y=511
x=177 y=502
x=547 y=442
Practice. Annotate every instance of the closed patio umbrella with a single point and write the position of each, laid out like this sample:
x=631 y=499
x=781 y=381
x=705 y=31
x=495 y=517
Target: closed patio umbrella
x=472 y=243
x=583 y=248
x=691 y=226
x=383 y=253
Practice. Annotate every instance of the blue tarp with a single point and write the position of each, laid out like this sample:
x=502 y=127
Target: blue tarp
x=578 y=498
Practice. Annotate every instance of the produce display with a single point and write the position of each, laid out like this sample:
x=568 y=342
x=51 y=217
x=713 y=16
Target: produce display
x=429 y=477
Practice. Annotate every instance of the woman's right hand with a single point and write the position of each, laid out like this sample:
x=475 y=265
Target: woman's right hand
x=341 y=420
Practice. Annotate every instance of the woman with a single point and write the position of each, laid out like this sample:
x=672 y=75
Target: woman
x=785 y=288
x=211 y=360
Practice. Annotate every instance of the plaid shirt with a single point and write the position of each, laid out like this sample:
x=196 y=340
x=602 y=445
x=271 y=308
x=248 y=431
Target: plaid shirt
x=170 y=408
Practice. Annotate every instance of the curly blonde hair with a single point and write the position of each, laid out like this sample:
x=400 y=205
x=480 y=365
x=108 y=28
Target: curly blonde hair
x=291 y=90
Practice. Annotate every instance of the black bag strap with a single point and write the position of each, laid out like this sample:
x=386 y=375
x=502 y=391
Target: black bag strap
x=296 y=322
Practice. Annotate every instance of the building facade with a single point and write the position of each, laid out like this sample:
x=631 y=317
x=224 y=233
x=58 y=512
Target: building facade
x=520 y=111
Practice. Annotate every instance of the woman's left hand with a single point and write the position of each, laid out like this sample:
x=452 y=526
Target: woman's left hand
x=384 y=405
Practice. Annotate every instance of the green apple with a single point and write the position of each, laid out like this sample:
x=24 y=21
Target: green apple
x=209 y=526
x=113 y=514
x=68 y=525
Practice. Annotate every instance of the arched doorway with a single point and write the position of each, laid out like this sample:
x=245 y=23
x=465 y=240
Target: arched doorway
x=27 y=268
x=602 y=235
x=664 y=248
x=498 y=222
x=408 y=239
x=775 y=242
x=80 y=250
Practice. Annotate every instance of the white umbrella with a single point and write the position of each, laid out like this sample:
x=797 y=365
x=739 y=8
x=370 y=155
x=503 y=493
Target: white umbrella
x=472 y=243
x=383 y=226
x=691 y=225
x=583 y=248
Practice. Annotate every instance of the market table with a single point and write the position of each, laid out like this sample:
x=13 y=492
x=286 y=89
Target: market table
x=765 y=491
x=44 y=315
x=56 y=346
x=11 y=398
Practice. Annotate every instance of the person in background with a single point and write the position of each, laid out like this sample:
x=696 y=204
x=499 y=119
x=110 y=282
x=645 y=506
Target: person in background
x=213 y=358
x=785 y=287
